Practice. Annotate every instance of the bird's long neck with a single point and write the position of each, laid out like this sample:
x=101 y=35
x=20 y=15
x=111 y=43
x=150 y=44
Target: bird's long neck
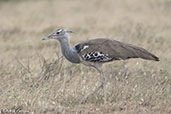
x=69 y=52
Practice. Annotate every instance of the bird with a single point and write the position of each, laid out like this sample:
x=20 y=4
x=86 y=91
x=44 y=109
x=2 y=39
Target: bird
x=96 y=52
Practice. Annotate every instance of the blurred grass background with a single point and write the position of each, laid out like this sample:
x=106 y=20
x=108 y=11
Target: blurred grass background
x=32 y=71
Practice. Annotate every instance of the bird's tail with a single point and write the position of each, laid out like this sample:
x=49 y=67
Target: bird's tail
x=155 y=58
x=144 y=54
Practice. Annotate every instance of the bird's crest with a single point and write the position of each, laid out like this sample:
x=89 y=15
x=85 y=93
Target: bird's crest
x=58 y=31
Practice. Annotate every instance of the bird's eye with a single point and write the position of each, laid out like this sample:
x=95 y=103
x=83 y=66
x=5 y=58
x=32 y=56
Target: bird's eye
x=57 y=32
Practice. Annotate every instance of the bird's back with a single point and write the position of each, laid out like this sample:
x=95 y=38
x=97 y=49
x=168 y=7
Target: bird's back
x=105 y=50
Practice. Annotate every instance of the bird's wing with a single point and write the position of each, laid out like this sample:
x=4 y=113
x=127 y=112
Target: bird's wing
x=109 y=50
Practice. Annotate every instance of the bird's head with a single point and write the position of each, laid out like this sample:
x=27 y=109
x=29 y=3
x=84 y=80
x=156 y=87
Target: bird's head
x=59 y=34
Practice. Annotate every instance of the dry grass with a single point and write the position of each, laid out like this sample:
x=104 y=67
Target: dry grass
x=32 y=72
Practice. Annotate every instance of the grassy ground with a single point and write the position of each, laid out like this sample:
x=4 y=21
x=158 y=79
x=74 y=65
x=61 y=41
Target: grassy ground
x=32 y=71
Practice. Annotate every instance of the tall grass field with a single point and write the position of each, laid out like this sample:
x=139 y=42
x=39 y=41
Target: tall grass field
x=36 y=79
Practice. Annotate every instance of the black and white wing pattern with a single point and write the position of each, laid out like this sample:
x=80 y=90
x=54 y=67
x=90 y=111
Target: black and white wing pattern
x=92 y=51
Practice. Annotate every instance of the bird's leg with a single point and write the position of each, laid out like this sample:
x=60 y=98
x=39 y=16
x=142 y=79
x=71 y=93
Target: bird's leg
x=102 y=85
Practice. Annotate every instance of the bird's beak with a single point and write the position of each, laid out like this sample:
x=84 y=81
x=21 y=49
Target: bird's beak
x=47 y=37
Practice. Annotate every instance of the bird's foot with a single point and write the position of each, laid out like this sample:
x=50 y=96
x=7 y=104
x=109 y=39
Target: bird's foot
x=83 y=100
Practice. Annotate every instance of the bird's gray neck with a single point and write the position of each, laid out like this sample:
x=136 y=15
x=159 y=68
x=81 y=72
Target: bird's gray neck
x=69 y=52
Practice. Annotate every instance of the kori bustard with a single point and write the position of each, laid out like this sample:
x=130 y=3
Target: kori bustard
x=95 y=52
